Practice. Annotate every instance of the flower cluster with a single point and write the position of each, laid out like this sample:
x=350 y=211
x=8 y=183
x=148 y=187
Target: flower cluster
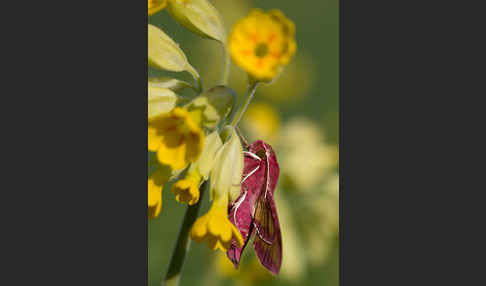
x=193 y=141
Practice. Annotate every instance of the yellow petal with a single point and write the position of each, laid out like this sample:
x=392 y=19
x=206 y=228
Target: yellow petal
x=174 y=157
x=154 y=140
x=198 y=231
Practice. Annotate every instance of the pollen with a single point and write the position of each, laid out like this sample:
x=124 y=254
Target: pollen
x=261 y=50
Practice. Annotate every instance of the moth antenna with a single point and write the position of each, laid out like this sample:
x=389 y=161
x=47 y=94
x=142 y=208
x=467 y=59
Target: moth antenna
x=243 y=140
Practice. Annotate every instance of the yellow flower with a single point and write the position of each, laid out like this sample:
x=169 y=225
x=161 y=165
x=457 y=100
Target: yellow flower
x=262 y=43
x=155 y=6
x=176 y=137
x=262 y=122
x=187 y=189
x=154 y=199
x=216 y=228
x=156 y=181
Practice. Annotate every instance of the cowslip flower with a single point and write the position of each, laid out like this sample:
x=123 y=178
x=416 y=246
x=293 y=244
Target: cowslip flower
x=176 y=137
x=262 y=43
x=187 y=189
x=155 y=6
x=216 y=228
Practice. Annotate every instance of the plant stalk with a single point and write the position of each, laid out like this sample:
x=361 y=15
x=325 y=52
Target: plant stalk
x=249 y=95
x=226 y=65
x=183 y=242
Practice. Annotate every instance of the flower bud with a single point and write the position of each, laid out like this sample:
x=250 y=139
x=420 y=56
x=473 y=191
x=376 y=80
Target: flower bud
x=160 y=100
x=199 y=16
x=216 y=104
x=164 y=53
x=206 y=161
x=173 y=84
x=228 y=168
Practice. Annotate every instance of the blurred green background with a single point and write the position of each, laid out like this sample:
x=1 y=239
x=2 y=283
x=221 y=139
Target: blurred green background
x=299 y=115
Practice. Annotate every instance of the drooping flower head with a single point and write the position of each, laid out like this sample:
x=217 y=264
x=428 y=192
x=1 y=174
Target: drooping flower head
x=176 y=137
x=155 y=6
x=187 y=189
x=262 y=43
x=216 y=228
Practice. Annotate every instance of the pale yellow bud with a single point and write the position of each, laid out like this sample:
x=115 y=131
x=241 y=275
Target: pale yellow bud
x=199 y=16
x=173 y=84
x=206 y=161
x=164 y=53
x=160 y=100
x=228 y=168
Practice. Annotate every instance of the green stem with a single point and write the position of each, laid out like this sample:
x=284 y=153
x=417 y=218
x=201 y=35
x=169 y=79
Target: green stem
x=249 y=95
x=196 y=77
x=226 y=65
x=183 y=242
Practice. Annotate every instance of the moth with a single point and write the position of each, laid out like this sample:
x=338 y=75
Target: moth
x=254 y=212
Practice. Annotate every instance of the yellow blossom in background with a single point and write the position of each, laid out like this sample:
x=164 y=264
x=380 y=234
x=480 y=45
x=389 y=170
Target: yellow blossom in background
x=261 y=121
x=262 y=43
x=216 y=228
x=176 y=137
x=292 y=269
x=154 y=199
x=325 y=210
x=187 y=189
x=155 y=6
x=305 y=158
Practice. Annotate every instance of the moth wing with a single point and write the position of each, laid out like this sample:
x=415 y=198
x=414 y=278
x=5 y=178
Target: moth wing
x=240 y=216
x=240 y=213
x=268 y=238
